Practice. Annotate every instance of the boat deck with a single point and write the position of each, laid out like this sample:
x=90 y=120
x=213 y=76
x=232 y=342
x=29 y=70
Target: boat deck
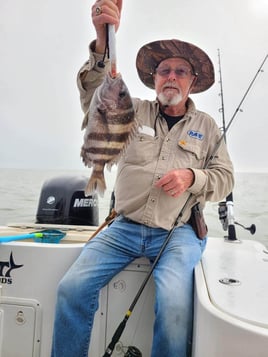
x=231 y=294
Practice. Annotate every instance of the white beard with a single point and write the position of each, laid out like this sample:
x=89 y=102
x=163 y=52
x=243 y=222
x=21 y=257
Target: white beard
x=168 y=100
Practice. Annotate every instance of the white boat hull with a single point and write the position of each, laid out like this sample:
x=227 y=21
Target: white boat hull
x=229 y=320
x=28 y=295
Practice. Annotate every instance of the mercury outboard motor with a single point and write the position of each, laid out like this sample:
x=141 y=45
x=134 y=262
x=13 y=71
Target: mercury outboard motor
x=62 y=201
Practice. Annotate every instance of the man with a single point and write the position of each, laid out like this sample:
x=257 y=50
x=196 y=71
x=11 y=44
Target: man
x=168 y=160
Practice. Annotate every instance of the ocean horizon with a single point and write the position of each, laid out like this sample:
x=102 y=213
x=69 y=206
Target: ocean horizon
x=20 y=190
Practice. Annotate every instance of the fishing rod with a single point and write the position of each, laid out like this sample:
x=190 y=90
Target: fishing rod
x=122 y=325
x=226 y=208
x=226 y=212
x=120 y=329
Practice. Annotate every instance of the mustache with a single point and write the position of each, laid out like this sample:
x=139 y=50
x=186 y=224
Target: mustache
x=171 y=85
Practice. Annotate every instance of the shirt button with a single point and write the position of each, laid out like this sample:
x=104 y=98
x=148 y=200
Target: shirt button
x=163 y=158
x=153 y=200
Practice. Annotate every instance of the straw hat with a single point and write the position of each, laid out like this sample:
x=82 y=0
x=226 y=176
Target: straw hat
x=151 y=54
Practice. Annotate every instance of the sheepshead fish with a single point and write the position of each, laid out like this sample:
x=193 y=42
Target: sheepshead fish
x=110 y=123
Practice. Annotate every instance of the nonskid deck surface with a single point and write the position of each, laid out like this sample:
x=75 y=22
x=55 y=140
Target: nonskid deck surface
x=236 y=276
x=231 y=295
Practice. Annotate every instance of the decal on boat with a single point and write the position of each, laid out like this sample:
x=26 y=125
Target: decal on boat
x=6 y=267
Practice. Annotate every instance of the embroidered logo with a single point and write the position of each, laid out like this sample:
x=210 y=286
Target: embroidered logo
x=195 y=134
x=182 y=142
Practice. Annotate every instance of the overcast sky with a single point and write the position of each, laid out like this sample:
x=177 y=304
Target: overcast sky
x=44 y=43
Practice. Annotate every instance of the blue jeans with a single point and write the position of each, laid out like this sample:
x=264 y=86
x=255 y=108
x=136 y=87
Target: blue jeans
x=105 y=256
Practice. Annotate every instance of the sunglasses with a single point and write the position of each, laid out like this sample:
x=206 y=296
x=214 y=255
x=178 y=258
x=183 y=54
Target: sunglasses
x=181 y=72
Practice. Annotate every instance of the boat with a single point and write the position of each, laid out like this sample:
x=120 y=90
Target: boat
x=231 y=290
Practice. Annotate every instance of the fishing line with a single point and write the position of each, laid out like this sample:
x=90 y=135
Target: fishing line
x=110 y=50
x=229 y=216
x=101 y=63
x=238 y=108
x=122 y=325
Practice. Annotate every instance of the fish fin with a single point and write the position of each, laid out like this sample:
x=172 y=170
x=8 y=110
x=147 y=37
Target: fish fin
x=85 y=121
x=110 y=164
x=83 y=155
x=96 y=183
x=135 y=128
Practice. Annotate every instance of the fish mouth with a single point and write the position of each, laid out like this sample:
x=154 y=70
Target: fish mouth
x=114 y=76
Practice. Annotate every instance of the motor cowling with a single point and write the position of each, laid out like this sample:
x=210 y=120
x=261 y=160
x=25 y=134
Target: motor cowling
x=62 y=201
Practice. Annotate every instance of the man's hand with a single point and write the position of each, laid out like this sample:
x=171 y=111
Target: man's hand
x=105 y=12
x=175 y=182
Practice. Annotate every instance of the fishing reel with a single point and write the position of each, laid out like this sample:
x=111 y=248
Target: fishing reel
x=222 y=211
x=125 y=351
x=225 y=211
x=133 y=351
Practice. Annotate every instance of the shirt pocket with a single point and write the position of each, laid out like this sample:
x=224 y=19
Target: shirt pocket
x=190 y=155
x=141 y=150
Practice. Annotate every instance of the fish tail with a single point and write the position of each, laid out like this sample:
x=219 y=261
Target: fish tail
x=96 y=183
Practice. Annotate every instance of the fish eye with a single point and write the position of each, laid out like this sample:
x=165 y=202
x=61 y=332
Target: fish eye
x=122 y=94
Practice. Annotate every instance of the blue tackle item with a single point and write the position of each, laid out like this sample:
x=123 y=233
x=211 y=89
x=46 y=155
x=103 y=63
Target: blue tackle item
x=45 y=236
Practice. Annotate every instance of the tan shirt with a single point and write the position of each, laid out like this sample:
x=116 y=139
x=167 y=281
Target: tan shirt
x=155 y=150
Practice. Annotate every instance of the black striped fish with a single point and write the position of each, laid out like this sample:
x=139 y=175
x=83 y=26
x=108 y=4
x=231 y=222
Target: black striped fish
x=110 y=123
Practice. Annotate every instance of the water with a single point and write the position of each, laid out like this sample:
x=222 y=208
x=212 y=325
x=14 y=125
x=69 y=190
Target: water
x=20 y=191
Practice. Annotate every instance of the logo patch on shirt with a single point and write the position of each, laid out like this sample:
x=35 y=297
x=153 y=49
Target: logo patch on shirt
x=195 y=134
x=182 y=142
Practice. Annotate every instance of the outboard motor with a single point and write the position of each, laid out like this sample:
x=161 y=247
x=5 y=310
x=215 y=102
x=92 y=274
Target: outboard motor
x=62 y=201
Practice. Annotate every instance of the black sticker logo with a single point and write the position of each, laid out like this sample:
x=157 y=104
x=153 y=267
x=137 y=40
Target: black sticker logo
x=6 y=267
